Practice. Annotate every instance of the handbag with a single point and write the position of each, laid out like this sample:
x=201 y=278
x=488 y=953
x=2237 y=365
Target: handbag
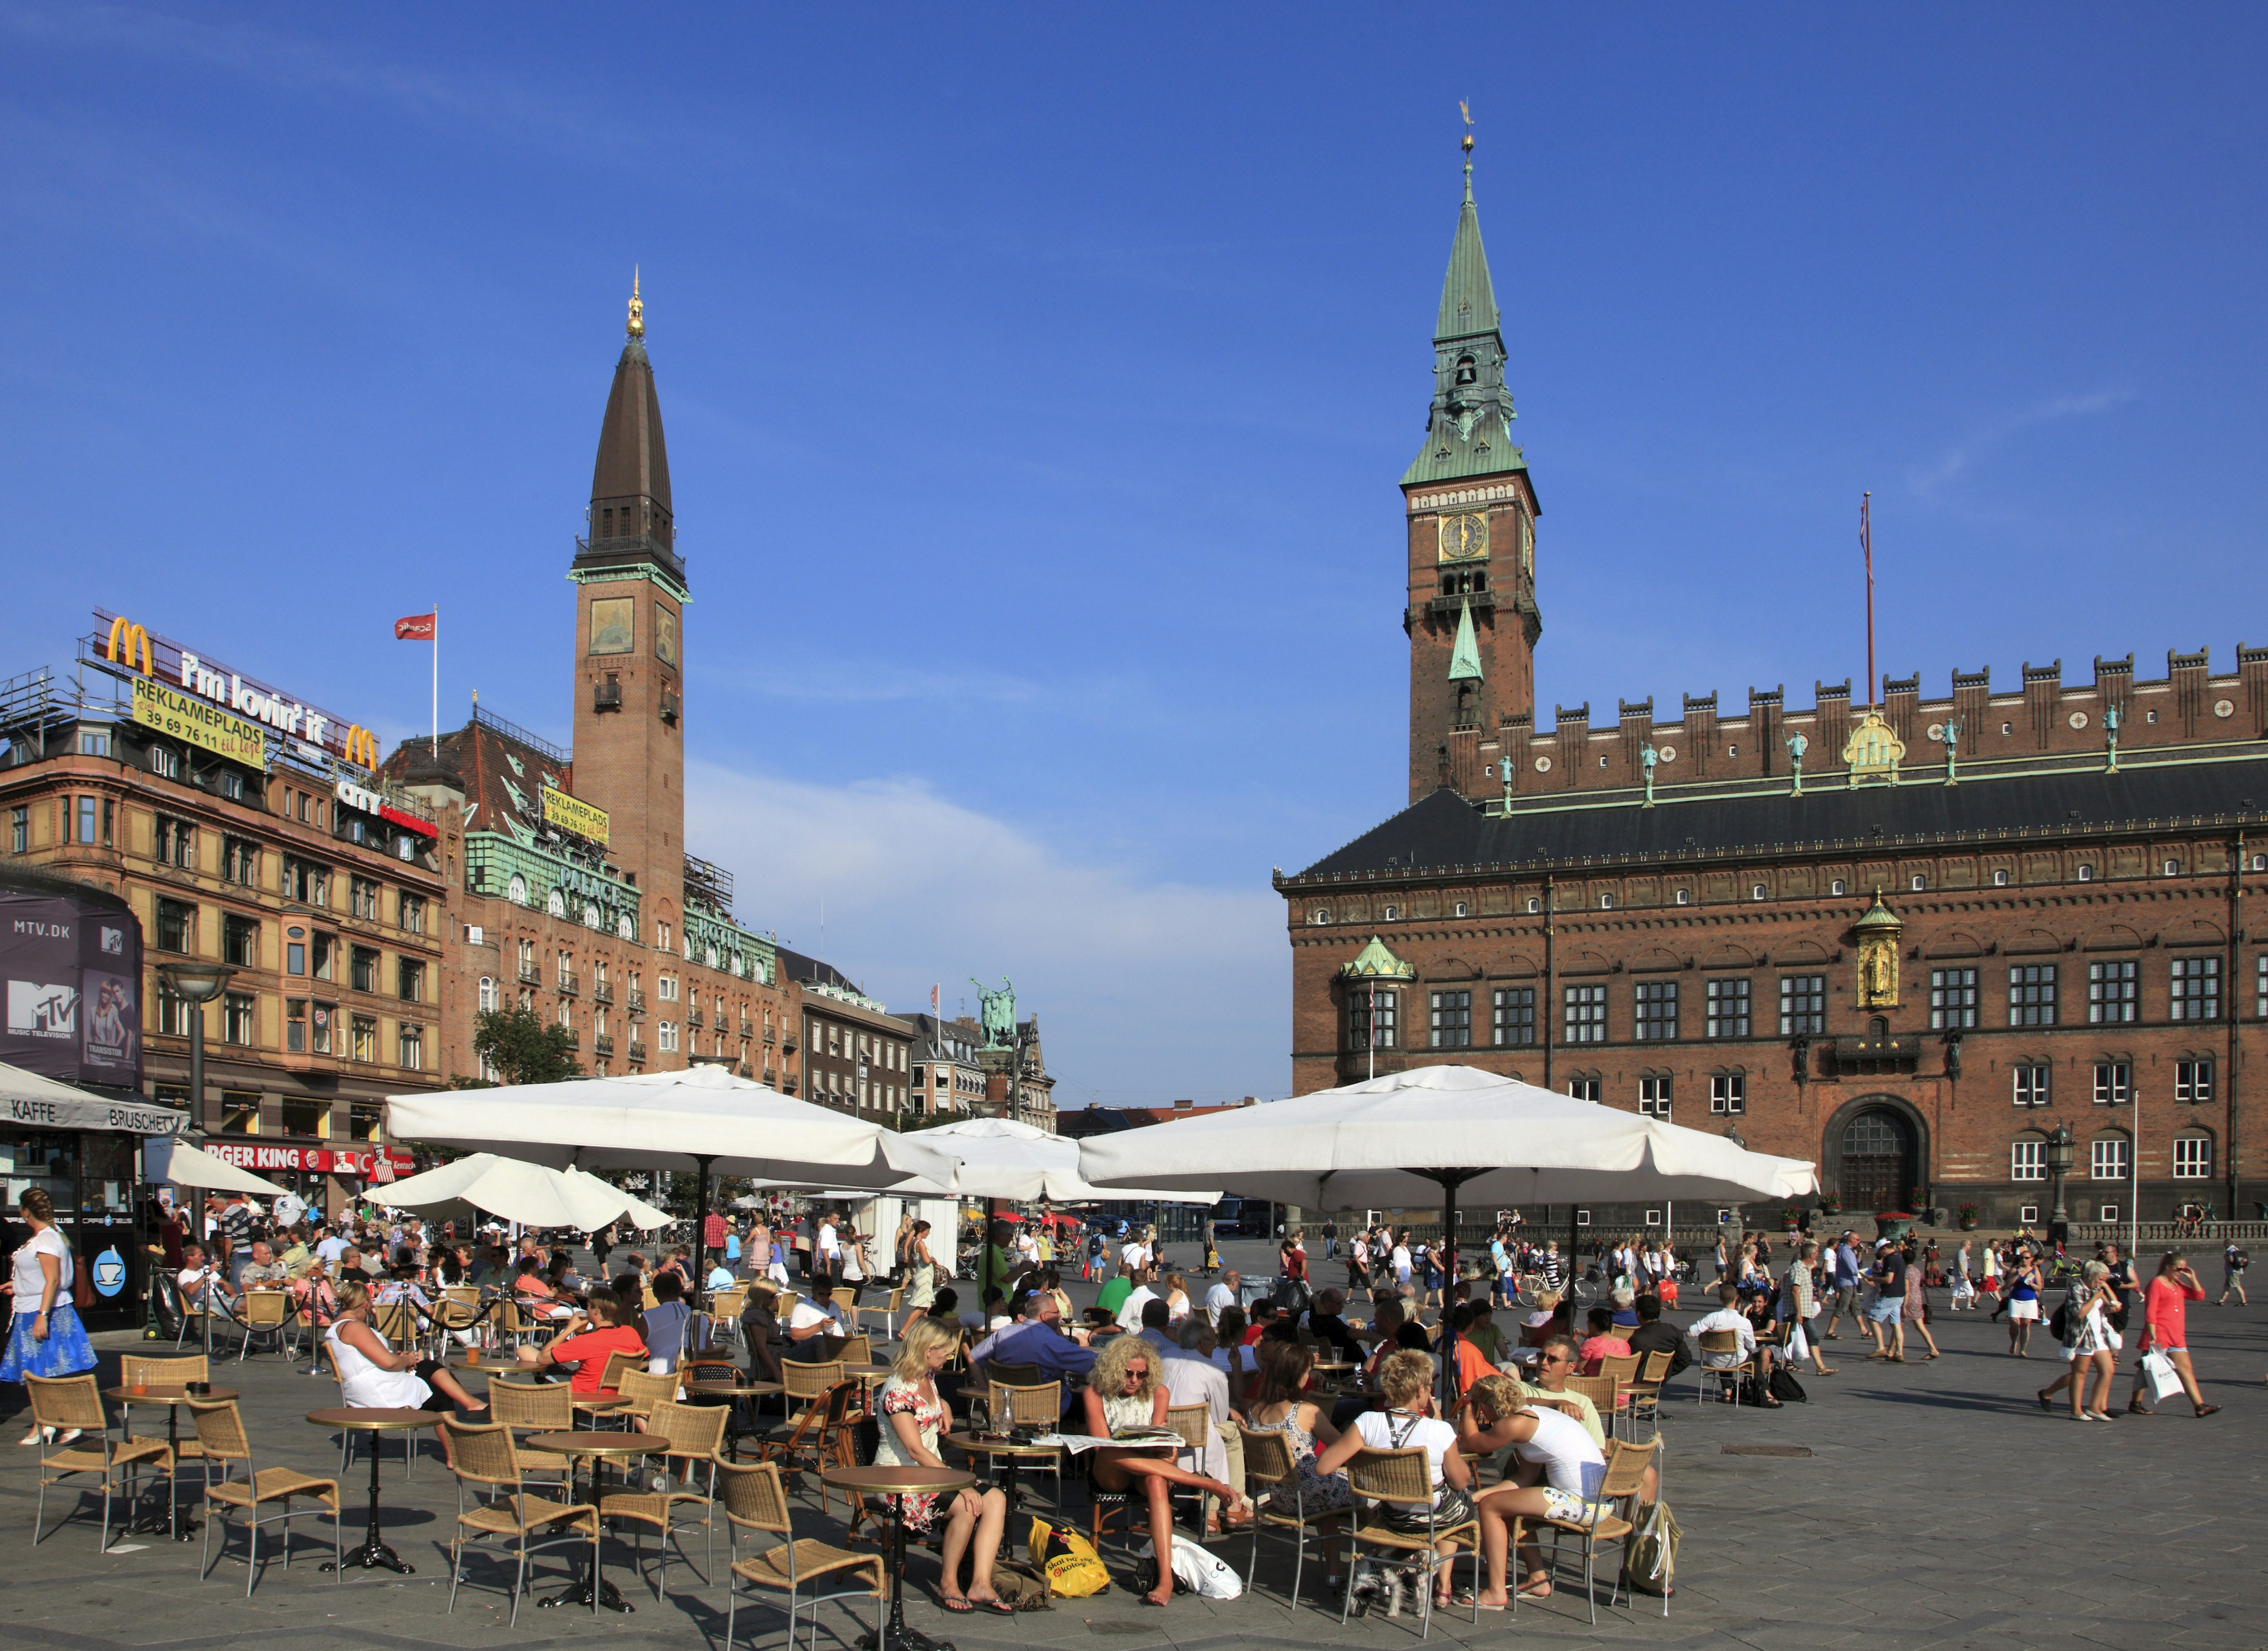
x=1650 y=1556
x=1074 y=1569
x=2165 y=1380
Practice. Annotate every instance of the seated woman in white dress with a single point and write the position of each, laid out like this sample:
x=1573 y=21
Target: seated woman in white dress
x=373 y=1377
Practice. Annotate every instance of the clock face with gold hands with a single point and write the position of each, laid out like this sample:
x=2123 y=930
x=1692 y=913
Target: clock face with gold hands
x=1464 y=537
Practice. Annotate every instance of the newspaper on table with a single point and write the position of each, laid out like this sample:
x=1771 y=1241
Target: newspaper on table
x=1138 y=1439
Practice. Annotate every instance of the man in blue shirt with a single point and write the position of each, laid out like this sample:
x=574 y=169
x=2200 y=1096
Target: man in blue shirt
x=1036 y=1341
x=1845 y=1275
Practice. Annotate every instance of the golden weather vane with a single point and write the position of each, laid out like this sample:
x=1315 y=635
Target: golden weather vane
x=1466 y=109
x=637 y=307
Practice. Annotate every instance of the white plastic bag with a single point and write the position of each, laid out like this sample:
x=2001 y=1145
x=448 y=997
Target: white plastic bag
x=1202 y=1571
x=2165 y=1380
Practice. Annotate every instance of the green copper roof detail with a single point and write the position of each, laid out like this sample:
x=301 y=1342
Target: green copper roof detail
x=1465 y=658
x=1374 y=962
x=1878 y=916
x=1469 y=430
x=1467 y=297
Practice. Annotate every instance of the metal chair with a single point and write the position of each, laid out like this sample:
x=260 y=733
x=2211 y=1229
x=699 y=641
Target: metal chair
x=755 y=1500
x=892 y=1306
x=68 y=1402
x=1401 y=1479
x=1645 y=1394
x=645 y=1390
x=220 y=1434
x=1626 y=1476
x=818 y=1436
x=696 y=1436
x=535 y=1407
x=264 y=1313
x=1038 y=1407
x=483 y=1457
x=1194 y=1424
x=610 y=1379
x=857 y=1350
x=1270 y=1468
x=1601 y=1392
x=1726 y=1379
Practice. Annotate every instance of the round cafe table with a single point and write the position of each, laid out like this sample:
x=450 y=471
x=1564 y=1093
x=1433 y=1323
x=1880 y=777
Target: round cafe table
x=172 y=1396
x=731 y=1393
x=896 y=1483
x=1007 y=1454
x=591 y=1588
x=373 y=1554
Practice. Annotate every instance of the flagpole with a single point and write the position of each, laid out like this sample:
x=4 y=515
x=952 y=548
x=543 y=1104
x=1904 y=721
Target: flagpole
x=437 y=681
x=1867 y=544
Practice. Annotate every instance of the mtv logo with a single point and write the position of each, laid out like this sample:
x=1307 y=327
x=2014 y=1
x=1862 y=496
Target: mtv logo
x=42 y=1011
x=114 y=941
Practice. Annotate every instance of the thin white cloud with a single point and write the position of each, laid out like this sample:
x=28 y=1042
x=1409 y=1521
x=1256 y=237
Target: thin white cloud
x=1957 y=460
x=1145 y=990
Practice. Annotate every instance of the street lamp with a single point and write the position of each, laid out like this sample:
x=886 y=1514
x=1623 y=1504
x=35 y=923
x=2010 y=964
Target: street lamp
x=2058 y=1158
x=196 y=984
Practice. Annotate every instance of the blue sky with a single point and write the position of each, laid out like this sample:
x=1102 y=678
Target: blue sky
x=1036 y=391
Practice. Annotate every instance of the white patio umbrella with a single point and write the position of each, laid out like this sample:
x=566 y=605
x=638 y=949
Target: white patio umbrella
x=996 y=1158
x=1441 y=1131
x=529 y=1193
x=189 y=1166
x=636 y=1210
x=705 y=1118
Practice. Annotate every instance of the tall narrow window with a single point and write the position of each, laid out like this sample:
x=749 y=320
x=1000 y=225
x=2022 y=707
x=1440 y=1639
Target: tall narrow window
x=2028 y=1161
x=1514 y=1014
x=1802 y=1005
x=1728 y=1009
x=2196 y=984
x=2193 y=1081
x=1952 y=999
x=1452 y=1025
x=2032 y=995
x=1729 y=1093
x=1654 y=1010
x=2031 y=1083
x=1586 y=1014
x=2110 y=1159
x=2113 y=991
x=2192 y=1158
x=1654 y=1097
x=2114 y=1082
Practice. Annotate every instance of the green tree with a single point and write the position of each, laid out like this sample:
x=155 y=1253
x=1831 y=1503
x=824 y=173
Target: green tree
x=522 y=1048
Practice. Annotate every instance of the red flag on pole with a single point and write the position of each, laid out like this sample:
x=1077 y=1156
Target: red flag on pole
x=934 y=1007
x=418 y=627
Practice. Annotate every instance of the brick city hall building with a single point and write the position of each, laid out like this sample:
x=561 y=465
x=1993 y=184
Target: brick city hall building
x=1914 y=943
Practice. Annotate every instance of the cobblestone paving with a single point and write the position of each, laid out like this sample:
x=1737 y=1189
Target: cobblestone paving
x=1939 y=1508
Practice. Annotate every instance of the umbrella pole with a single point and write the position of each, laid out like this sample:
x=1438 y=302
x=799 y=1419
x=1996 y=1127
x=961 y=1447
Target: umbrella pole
x=701 y=1235
x=1449 y=1180
x=985 y=1279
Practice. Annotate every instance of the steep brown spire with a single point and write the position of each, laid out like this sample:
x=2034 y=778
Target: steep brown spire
x=631 y=517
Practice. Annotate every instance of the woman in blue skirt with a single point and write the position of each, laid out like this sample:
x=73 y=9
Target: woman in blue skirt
x=45 y=1337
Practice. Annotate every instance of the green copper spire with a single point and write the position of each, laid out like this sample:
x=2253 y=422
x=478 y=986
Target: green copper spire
x=1469 y=431
x=1465 y=656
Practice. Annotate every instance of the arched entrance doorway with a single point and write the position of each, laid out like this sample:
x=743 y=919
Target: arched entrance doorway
x=1878 y=1162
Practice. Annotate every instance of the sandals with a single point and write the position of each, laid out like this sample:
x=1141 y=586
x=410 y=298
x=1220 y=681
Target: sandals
x=2206 y=1409
x=956 y=1605
x=2042 y=1396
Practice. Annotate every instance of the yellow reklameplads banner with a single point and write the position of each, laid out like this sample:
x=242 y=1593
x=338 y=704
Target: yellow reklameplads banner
x=205 y=726
x=573 y=814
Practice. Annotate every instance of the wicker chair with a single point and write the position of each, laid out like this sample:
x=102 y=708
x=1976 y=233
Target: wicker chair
x=755 y=1500
x=610 y=1380
x=135 y=1369
x=1038 y=1407
x=1270 y=1468
x=889 y=1310
x=535 y=1407
x=263 y=1313
x=857 y=1350
x=1726 y=1379
x=1194 y=1424
x=1626 y=1476
x=220 y=1434
x=1601 y=1390
x=1402 y=1478
x=807 y=1382
x=1645 y=1394
x=697 y=1437
x=644 y=1390
x=818 y=1437
x=484 y=1458
x=67 y=1401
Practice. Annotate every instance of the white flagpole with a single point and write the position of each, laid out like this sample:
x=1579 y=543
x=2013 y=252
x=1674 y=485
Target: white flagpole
x=437 y=681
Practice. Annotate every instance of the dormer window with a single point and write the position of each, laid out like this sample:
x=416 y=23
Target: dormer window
x=1467 y=372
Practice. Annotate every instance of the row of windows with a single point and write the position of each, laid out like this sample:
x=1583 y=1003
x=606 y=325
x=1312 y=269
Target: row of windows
x=306 y=956
x=310 y=1027
x=2111 y=1158
x=2114 y=1082
x=1916 y=883
x=2113 y=997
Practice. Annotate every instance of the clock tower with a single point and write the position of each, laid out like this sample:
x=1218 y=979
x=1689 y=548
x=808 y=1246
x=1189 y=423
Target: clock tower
x=1471 y=616
x=629 y=657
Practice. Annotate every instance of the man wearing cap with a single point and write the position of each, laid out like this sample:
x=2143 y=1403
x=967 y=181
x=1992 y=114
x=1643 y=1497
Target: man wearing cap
x=1842 y=1275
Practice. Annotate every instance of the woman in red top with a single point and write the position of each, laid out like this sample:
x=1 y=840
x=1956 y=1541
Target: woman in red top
x=586 y=1339
x=2167 y=1309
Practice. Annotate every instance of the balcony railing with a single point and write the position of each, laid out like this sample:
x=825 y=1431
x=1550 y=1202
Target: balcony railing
x=603 y=1044
x=567 y=986
x=530 y=975
x=637 y=1001
x=693 y=1018
x=604 y=992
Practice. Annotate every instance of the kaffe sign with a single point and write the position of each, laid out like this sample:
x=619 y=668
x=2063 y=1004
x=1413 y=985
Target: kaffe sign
x=207 y=727
x=72 y=970
x=573 y=814
x=319 y=1159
